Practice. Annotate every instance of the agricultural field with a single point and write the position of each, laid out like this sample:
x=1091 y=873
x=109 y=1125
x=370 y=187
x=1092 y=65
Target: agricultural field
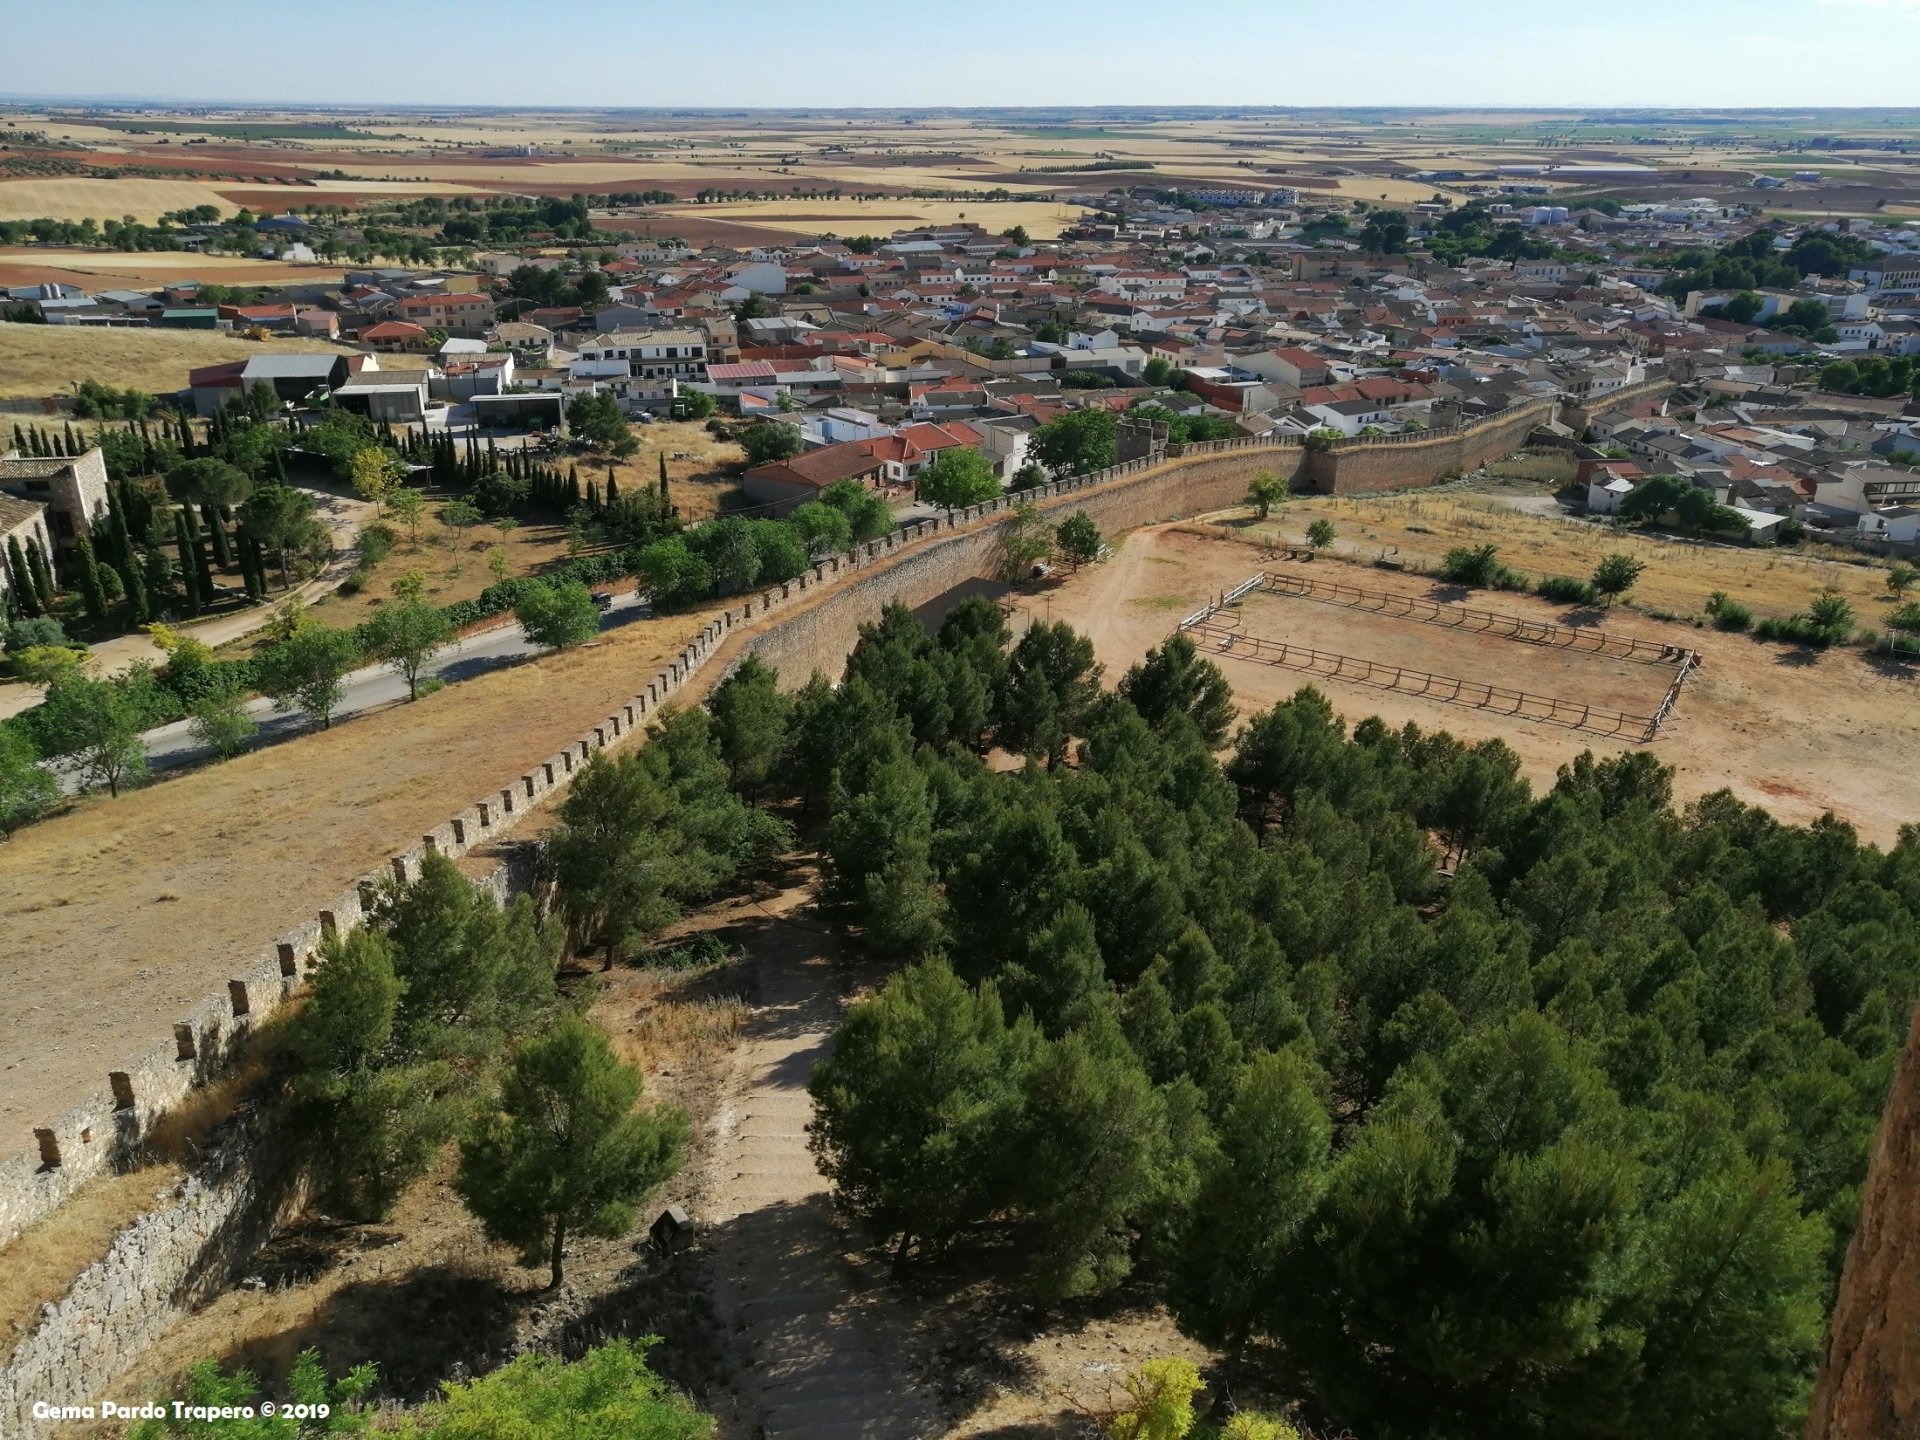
x=323 y=157
x=41 y=360
x=1797 y=731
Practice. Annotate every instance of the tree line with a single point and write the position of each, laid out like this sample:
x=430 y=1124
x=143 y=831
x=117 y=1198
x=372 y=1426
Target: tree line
x=1457 y=1108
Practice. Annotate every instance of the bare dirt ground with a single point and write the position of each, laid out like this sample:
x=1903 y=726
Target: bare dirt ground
x=118 y=915
x=1795 y=730
x=816 y=1344
x=1463 y=654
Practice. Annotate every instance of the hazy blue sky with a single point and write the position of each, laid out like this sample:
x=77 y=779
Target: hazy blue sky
x=599 y=53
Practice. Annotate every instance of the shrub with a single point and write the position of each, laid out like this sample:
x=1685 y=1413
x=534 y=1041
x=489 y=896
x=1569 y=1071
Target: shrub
x=376 y=543
x=1566 y=590
x=1728 y=614
x=30 y=634
x=1479 y=566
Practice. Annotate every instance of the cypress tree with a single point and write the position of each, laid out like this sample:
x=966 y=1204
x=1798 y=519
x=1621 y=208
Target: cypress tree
x=19 y=438
x=91 y=590
x=189 y=572
x=73 y=441
x=42 y=576
x=613 y=489
x=663 y=475
x=256 y=568
x=593 y=497
x=222 y=551
x=573 y=488
x=36 y=447
x=20 y=580
x=201 y=566
x=134 y=586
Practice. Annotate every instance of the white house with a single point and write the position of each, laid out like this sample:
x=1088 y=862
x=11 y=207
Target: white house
x=762 y=277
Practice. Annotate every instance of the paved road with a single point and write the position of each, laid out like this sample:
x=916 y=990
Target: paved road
x=171 y=746
x=343 y=512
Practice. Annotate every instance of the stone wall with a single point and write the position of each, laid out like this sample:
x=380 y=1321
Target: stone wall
x=1869 y=1385
x=105 y=1125
x=179 y=1254
x=191 y=1243
x=1362 y=466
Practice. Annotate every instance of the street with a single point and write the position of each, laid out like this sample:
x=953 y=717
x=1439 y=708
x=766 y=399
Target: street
x=172 y=746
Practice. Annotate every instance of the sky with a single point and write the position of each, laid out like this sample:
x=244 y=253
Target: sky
x=600 y=54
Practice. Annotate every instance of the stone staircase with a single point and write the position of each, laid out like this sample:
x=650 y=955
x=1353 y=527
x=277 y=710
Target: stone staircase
x=819 y=1352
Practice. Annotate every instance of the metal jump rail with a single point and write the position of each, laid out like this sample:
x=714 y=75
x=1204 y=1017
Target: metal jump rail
x=1466 y=617
x=1213 y=627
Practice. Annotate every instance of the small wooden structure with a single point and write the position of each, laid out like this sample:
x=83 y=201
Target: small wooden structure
x=672 y=1228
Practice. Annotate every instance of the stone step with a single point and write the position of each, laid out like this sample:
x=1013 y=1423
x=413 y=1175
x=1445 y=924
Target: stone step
x=872 y=1406
x=766 y=1309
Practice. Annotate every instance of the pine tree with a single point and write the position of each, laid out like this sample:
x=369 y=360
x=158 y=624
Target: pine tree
x=566 y=1152
x=42 y=576
x=91 y=591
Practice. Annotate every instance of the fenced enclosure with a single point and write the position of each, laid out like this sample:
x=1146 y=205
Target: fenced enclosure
x=1219 y=629
x=1487 y=622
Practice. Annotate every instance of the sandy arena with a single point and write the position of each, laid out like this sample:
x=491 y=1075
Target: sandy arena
x=1795 y=730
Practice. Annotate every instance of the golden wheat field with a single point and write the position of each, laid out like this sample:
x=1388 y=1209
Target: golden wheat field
x=38 y=360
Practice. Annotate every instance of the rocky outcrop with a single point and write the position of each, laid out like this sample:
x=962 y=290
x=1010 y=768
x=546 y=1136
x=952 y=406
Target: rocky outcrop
x=1869 y=1387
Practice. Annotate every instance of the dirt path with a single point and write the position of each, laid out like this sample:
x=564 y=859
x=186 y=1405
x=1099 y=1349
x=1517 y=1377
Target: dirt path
x=814 y=1361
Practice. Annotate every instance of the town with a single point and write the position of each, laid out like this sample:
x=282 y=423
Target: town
x=1013 y=718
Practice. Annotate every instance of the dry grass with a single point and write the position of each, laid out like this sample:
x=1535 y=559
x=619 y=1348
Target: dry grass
x=38 y=360
x=1680 y=575
x=663 y=1019
x=42 y=1262
x=454 y=564
x=79 y=198
x=251 y=847
x=700 y=467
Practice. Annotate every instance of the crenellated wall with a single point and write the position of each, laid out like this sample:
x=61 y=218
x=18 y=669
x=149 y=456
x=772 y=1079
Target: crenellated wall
x=1211 y=475
x=165 y=1260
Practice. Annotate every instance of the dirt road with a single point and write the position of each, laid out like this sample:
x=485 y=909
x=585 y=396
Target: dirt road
x=815 y=1362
